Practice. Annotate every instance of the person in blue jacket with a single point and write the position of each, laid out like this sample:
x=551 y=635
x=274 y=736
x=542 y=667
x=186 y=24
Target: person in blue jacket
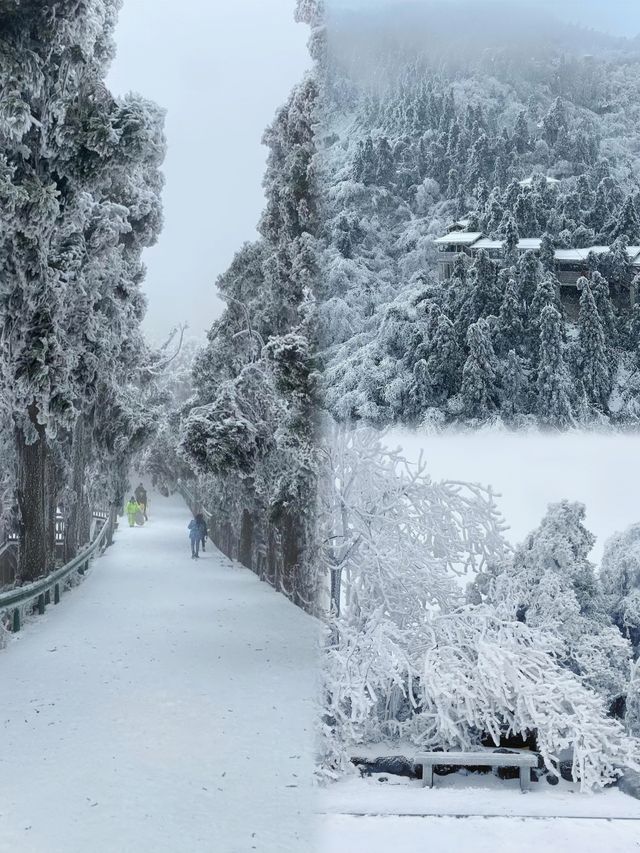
x=197 y=534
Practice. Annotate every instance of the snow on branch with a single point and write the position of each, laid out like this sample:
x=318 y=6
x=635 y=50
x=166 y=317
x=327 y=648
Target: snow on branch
x=486 y=674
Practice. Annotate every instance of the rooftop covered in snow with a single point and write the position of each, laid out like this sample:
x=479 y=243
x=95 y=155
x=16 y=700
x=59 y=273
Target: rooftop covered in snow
x=459 y=238
x=477 y=242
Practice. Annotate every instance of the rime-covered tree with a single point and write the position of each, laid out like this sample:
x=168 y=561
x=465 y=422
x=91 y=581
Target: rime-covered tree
x=480 y=393
x=550 y=584
x=553 y=379
x=625 y=223
x=593 y=363
x=443 y=364
x=604 y=304
x=250 y=432
x=514 y=387
x=80 y=177
x=620 y=579
x=509 y=328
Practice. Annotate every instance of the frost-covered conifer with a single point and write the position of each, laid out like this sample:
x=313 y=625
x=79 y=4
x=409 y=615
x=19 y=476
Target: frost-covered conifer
x=547 y=253
x=249 y=434
x=514 y=387
x=554 y=121
x=625 y=223
x=594 y=366
x=509 y=329
x=602 y=298
x=485 y=295
x=385 y=170
x=509 y=231
x=479 y=390
x=82 y=190
x=443 y=365
x=553 y=381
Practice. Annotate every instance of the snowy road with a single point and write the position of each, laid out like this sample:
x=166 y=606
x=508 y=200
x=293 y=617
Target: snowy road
x=166 y=705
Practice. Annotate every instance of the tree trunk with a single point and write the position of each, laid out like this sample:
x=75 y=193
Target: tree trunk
x=273 y=553
x=111 y=521
x=85 y=522
x=291 y=556
x=31 y=495
x=245 y=551
x=51 y=504
x=73 y=512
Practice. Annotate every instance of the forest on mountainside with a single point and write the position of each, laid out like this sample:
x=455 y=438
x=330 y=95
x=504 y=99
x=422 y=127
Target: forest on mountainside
x=532 y=135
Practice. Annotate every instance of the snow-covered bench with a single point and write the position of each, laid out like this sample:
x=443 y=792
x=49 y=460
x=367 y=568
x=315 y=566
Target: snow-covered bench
x=524 y=761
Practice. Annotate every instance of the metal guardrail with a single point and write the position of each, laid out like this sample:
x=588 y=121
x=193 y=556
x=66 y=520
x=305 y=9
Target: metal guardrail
x=97 y=515
x=192 y=501
x=41 y=589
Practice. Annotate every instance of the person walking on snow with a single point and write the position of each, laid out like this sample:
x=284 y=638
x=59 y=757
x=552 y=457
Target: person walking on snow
x=141 y=497
x=132 y=509
x=197 y=532
x=203 y=529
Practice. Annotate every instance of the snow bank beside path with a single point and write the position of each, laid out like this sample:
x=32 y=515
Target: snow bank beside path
x=346 y=834
x=166 y=705
x=474 y=795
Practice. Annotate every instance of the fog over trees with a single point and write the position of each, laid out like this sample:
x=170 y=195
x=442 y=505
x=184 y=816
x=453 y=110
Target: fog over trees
x=525 y=129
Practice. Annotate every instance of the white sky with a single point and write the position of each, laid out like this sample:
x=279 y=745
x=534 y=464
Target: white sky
x=221 y=68
x=620 y=17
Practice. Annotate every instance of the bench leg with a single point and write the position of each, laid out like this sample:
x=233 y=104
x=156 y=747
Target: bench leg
x=427 y=775
x=525 y=779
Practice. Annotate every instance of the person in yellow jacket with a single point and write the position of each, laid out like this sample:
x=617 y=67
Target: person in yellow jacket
x=132 y=510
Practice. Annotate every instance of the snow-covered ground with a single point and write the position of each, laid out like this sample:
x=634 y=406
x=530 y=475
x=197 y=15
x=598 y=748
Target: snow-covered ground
x=346 y=834
x=166 y=705
x=474 y=813
x=531 y=470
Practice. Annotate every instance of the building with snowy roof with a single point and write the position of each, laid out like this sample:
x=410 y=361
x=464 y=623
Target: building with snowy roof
x=570 y=264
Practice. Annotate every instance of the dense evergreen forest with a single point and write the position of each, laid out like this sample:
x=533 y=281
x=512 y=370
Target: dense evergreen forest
x=80 y=185
x=533 y=137
x=245 y=437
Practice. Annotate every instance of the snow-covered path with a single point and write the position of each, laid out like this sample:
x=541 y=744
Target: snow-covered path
x=474 y=813
x=347 y=834
x=166 y=705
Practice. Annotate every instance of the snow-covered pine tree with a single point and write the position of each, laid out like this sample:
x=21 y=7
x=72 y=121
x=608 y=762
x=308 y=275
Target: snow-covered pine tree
x=604 y=304
x=250 y=432
x=509 y=231
x=553 y=380
x=547 y=253
x=624 y=223
x=593 y=365
x=77 y=166
x=514 y=387
x=509 y=329
x=443 y=365
x=480 y=389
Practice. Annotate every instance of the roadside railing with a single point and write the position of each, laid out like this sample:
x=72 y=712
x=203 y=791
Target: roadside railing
x=193 y=503
x=40 y=592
